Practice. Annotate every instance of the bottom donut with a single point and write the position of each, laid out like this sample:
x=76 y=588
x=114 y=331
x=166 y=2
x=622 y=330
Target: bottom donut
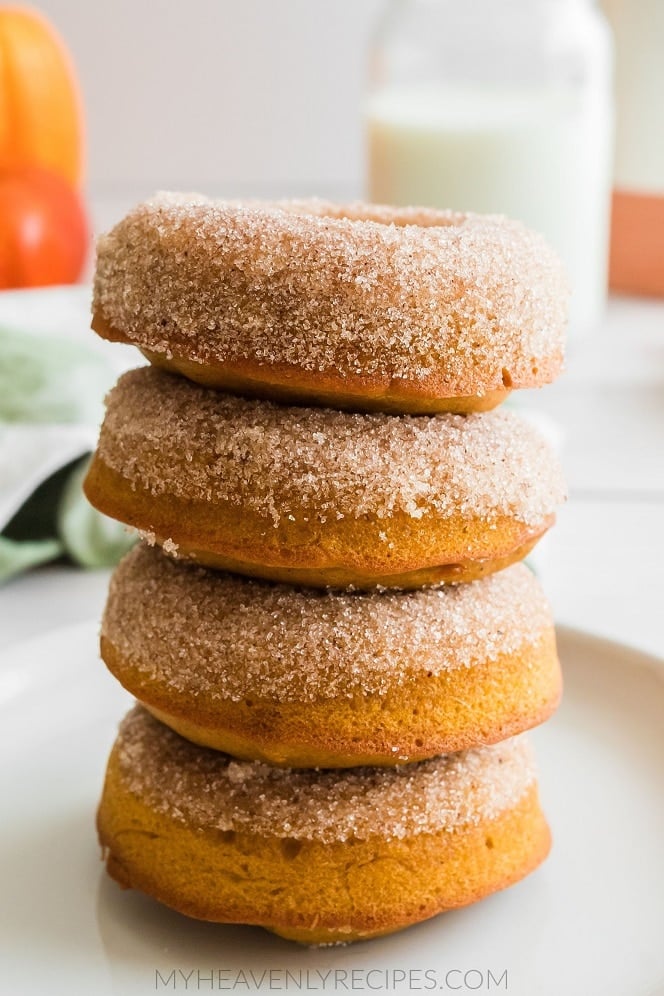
x=319 y=857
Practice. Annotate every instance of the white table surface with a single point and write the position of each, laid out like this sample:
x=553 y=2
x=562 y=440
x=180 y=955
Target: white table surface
x=605 y=562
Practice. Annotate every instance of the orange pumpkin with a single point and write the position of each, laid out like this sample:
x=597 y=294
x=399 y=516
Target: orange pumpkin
x=44 y=235
x=40 y=109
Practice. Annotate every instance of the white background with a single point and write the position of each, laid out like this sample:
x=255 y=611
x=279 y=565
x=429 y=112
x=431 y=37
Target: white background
x=229 y=96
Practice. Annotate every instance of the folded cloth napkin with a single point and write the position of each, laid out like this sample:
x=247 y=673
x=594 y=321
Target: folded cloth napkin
x=51 y=393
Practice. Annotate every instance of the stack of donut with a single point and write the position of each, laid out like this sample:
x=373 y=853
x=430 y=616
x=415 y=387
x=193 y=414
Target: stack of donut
x=334 y=646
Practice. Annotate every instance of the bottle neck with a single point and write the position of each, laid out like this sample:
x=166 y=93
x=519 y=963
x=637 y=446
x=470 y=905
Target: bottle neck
x=510 y=43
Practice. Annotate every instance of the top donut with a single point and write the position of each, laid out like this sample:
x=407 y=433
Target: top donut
x=361 y=307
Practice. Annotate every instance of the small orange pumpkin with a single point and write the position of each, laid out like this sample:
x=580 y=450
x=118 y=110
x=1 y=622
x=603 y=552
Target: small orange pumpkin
x=40 y=108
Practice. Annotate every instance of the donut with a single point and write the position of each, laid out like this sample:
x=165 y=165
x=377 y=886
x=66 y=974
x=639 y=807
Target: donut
x=317 y=497
x=310 y=678
x=361 y=307
x=319 y=857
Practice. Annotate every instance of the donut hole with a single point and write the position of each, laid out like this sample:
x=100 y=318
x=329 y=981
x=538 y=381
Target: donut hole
x=379 y=214
x=290 y=848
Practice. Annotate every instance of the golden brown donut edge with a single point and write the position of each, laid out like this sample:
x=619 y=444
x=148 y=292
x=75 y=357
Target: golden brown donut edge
x=289 y=384
x=428 y=715
x=370 y=887
x=343 y=553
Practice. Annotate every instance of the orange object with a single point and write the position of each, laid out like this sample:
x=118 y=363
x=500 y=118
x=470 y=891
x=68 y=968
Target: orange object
x=41 y=122
x=43 y=230
x=637 y=243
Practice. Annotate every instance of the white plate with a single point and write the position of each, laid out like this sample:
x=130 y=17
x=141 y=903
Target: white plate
x=589 y=922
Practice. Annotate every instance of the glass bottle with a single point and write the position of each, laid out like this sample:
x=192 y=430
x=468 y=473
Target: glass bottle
x=500 y=106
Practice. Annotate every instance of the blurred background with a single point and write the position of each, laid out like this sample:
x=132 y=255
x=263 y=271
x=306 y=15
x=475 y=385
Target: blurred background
x=505 y=107
x=235 y=98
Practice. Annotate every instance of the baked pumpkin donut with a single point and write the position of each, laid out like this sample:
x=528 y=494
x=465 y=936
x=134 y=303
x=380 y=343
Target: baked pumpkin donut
x=310 y=678
x=318 y=497
x=316 y=856
x=360 y=307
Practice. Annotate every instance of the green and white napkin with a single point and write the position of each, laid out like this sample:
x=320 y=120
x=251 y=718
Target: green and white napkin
x=52 y=387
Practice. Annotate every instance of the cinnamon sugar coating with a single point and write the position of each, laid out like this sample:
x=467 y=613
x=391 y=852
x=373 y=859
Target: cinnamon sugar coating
x=168 y=436
x=478 y=303
x=209 y=790
x=220 y=636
